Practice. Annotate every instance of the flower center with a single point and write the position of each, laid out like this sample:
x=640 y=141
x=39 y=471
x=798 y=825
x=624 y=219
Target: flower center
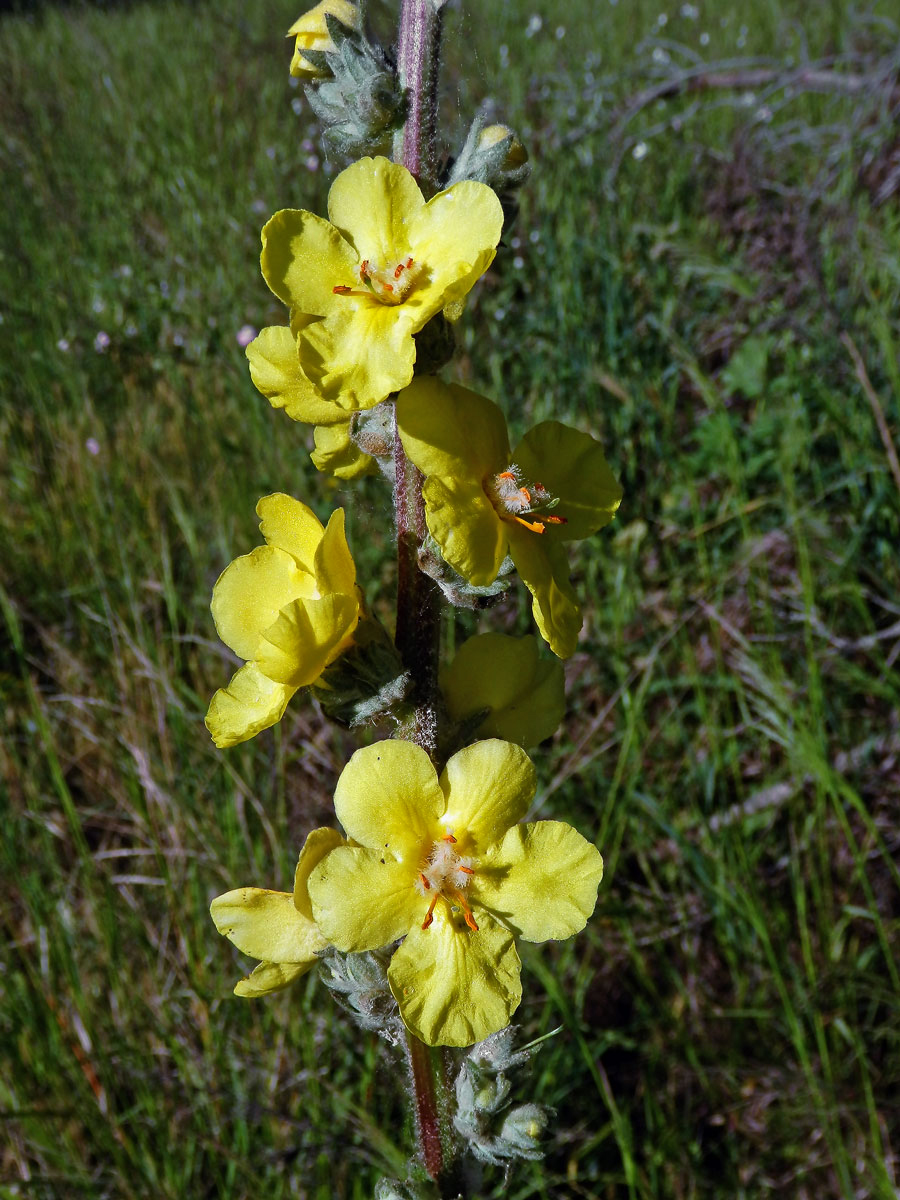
x=513 y=498
x=389 y=284
x=445 y=876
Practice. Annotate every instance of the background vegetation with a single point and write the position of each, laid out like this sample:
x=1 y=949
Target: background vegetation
x=679 y=282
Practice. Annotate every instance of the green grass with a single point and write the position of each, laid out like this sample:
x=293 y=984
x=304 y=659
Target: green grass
x=729 y=1016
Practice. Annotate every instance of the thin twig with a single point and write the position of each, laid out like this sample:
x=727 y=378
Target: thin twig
x=865 y=383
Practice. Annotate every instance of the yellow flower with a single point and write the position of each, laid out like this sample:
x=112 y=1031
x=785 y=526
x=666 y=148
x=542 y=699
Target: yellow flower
x=522 y=695
x=483 y=501
x=288 y=608
x=275 y=371
x=383 y=266
x=312 y=33
x=276 y=927
x=444 y=864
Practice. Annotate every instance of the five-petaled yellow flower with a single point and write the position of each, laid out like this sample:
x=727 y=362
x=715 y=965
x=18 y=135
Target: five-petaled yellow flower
x=288 y=608
x=483 y=501
x=444 y=864
x=276 y=927
x=312 y=33
x=361 y=284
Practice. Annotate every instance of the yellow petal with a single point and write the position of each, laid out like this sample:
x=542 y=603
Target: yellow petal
x=489 y=787
x=266 y=925
x=270 y=977
x=291 y=526
x=455 y=237
x=303 y=259
x=388 y=798
x=373 y=203
x=452 y=432
x=465 y=525
x=276 y=372
x=335 y=570
x=544 y=569
x=363 y=899
x=455 y=987
x=541 y=880
x=524 y=695
x=306 y=636
x=360 y=354
x=571 y=465
x=249 y=704
x=337 y=453
x=250 y=593
x=312 y=33
x=318 y=843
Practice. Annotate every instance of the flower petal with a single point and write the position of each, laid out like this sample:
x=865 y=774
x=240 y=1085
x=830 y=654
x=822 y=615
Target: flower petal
x=363 y=899
x=266 y=925
x=489 y=787
x=373 y=203
x=337 y=453
x=544 y=569
x=454 y=986
x=303 y=258
x=276 y=372
x=454 y=237
x=360 y=354
x=541 y=880
x=319 y=842
x=465 y=525
x=525 y=695
x=388 y=798
x=270 y=977
x=572 y=466
x=452 y=432
x=335 y=569
x=292 y=526
x=250 y=593
x=249 y=704
x=305 y=637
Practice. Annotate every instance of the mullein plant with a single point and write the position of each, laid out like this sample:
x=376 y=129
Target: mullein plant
x=413 y=911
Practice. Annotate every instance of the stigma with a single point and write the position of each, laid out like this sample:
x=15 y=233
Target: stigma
x=390 y=284
x=445 y=876
x=527 y=503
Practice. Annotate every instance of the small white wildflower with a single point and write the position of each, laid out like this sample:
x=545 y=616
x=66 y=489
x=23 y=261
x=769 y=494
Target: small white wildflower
x=92 y=446
x=535 y=24
x=101 y=341
x=639 y=151
x=245 y=335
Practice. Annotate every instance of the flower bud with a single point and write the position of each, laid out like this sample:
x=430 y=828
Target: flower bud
x=515 y=153
x=523 y=1129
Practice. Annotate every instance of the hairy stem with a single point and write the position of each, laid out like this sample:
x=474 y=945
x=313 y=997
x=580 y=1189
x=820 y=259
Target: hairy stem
x=418 y=598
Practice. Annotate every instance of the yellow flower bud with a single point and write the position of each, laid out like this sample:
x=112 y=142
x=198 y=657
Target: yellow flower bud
x=312 y=33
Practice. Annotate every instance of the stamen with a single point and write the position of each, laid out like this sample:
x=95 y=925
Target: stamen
x=429 y=916
x=426 y=882
x=467 y=912
x=448 y=837
x=341 y=289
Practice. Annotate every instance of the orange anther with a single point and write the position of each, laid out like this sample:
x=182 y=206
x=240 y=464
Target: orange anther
x=448 y=837
x=467 y=912
x=388 y=287
x=523 y=491
x=470 y=921
x=506 y=475
x=426 y=883
x=467 y=870
x=342 y=290
x=429 y=916
x=534 y=526
x=399 y=269
x=364 y=268
x=555 y=520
